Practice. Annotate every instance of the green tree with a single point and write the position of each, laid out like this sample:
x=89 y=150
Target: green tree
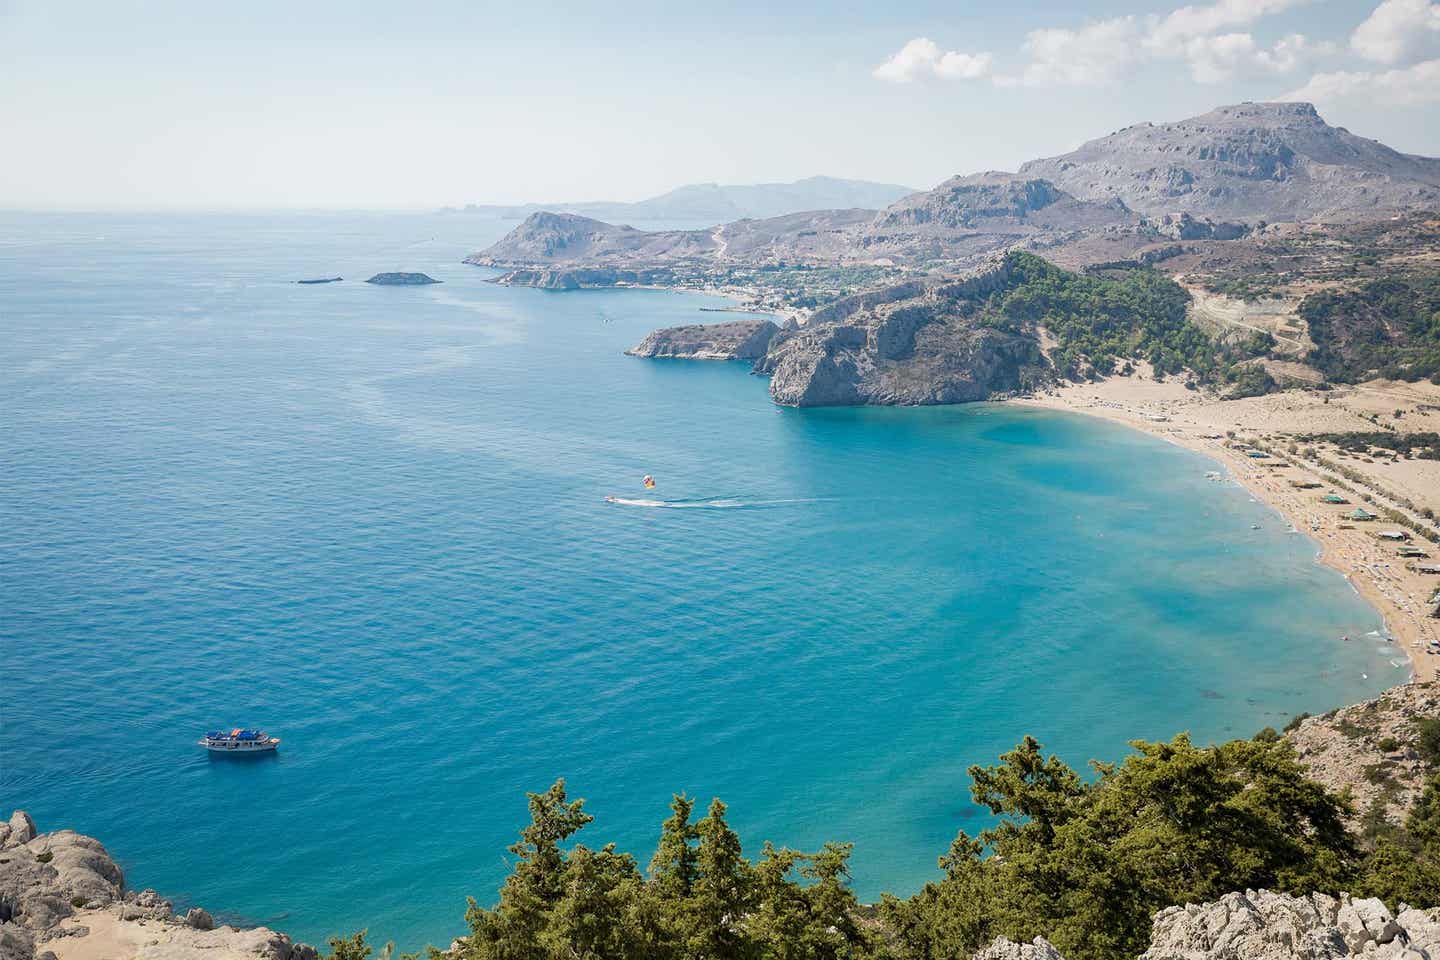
x=723 y=891
x=1405 y=865
x=514 y=929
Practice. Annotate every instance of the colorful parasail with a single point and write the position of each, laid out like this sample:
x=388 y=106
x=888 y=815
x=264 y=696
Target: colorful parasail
x=649 y=482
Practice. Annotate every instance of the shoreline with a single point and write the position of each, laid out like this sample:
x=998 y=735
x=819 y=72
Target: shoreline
x=1396 y=594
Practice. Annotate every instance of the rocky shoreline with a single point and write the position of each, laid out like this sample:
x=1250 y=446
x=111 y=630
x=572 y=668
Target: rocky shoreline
x=63 y=897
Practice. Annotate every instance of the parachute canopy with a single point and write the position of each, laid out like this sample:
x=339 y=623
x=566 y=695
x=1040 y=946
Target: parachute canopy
x=649 y=482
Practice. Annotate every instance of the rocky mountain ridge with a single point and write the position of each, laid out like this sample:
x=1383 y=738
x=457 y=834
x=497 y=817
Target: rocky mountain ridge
x=1248 y=162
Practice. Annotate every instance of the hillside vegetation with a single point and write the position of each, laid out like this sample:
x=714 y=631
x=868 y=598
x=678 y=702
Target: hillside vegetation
x=1388 y=327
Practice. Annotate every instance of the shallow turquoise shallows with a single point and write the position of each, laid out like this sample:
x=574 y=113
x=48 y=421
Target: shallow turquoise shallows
x=371 y=521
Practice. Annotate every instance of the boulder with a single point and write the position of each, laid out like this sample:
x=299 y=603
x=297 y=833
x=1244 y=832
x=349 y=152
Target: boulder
x=1261 y=925
x=200 y=919
x=1002 y=949
x=22 y=828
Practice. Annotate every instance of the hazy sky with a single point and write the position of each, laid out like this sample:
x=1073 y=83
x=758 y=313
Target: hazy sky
x=200 y=104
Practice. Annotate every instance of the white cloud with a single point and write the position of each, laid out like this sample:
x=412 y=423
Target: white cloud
x=1169 y=33
x=1094 y=54
x=1100 y=51
x=963 y=66
x=1215 y=59
x=1399 y=31
x=1411 y=85
x=921 y=57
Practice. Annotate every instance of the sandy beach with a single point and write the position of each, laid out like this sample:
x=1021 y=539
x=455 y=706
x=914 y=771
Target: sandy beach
x=1224 y=429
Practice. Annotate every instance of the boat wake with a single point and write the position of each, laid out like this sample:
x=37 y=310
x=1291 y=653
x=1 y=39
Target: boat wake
x=717 y=503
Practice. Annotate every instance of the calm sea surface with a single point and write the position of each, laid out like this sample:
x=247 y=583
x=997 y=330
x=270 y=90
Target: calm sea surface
x=370 y=520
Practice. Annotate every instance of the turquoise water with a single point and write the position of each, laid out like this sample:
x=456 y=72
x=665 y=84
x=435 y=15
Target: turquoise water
x=370 y=520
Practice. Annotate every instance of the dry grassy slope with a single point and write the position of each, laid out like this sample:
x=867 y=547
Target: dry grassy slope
x=1371 y=749
x=1230 y=317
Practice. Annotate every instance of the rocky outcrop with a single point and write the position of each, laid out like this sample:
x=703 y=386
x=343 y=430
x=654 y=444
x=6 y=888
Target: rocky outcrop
x=1246 y=162
x=1182 y=226
x=735 y=340
x=1260 y=925
x=62 y=894
x=1371 y=749
x=402 y=279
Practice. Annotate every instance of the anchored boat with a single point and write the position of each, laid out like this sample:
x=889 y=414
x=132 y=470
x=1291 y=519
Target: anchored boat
x=239 y=740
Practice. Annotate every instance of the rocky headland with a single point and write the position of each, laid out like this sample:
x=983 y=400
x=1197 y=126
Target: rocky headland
x=62 y=897
x=734 y=340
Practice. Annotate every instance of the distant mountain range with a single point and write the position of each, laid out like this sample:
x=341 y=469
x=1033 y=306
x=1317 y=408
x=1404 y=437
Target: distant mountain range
x=720 y=203
x=1215 y=176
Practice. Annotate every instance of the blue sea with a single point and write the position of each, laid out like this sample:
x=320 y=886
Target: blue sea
x=371 y=521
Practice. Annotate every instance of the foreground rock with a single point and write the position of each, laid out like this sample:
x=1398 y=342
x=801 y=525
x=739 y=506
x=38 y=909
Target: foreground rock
x=1371 y=749
x=61 y=893
x=1003 y=949
x=1260 y=925
x=402 y=279
x=735 y=340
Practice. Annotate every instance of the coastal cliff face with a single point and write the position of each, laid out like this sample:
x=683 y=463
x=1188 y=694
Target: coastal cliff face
x=899 y=354
x=909 y=344
x=63 y=896
x=735 y=340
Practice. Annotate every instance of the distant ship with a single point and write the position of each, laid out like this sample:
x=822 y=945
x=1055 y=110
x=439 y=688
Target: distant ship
x=322 y=280
x=239 y=741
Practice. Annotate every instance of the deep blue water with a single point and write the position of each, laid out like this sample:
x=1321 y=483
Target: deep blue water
x=370 y=520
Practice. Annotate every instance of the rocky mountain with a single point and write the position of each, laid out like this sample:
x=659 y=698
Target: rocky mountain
x=1247 y=162
x=556 y=239
x=735 y=340
x=721 y=203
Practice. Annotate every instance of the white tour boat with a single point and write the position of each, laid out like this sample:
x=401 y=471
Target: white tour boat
x=239 y=740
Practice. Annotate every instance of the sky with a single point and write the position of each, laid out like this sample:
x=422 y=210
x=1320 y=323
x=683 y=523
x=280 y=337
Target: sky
x=361 y=105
